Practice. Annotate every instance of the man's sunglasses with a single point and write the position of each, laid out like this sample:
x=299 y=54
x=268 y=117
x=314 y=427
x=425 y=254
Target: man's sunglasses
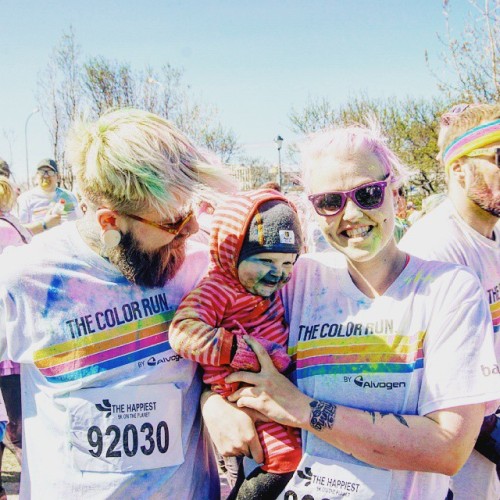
x=171 y=228
x=47 y=173
x=367 y=196
x=490 y=152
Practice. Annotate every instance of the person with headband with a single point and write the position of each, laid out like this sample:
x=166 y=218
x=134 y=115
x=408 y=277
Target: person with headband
x=464 y=229
x=390 y=388
x=85 y=308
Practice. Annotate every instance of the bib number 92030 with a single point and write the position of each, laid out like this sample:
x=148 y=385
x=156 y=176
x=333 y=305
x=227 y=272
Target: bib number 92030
x=132 y=440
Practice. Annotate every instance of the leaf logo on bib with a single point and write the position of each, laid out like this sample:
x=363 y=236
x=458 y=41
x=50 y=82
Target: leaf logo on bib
x=105 y=406
x=307 y=474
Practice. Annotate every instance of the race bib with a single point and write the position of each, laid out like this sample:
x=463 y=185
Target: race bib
x=126 y=429
x=320 y=479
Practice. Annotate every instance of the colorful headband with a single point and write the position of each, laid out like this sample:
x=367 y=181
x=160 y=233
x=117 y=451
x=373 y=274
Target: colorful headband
x=475 y=138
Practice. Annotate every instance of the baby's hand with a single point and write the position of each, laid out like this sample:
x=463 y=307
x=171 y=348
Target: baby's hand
x=245 y=358
x=281 y=360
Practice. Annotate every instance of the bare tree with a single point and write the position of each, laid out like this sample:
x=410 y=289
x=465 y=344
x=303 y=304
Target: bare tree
x=164 y=92
x=108 y=84
x=67 y=59
x=221 y=141
x=66 y=87
x=10 y=137
x=470 y=69
x=412 y=128
x=252 y=172
x=59 y=95
x=316 y=115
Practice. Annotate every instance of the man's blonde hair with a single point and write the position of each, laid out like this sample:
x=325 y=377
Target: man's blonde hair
x=8 y=194
x=459 y=123
x=134 y=161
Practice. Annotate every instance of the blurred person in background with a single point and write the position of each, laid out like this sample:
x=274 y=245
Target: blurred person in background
x=4 y=168
x=204 y=217
x=401 y=222
x=12 y=233
x=47 y=205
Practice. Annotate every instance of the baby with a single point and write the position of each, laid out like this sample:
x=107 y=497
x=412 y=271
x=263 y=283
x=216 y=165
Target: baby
x=255 y=241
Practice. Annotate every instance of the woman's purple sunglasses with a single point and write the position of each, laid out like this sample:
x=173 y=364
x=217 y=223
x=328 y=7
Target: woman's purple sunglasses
x=367 y=196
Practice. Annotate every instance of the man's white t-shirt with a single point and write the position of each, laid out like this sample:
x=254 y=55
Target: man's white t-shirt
x=33 y=205
x=109 y=409
x=409 y=351
x=443 y=235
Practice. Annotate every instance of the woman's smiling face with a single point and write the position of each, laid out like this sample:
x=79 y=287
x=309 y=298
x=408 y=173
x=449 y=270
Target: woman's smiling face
x=360 y=234
x=265 y=273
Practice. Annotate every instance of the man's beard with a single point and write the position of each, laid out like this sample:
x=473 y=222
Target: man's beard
x=144 y=268
x=483 y=196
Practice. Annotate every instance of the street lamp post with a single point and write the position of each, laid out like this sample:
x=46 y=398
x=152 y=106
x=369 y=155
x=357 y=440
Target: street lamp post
x=279 y=143
x=35 y=110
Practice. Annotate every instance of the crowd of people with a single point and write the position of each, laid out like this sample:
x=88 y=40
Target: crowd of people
x=348 y=355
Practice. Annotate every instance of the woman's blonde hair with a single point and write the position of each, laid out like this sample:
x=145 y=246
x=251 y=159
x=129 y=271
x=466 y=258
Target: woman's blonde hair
x=134 y=161
x=8 y=194
x=351 y=140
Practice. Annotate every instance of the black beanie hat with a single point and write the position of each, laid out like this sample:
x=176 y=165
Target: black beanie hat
x=275 y=227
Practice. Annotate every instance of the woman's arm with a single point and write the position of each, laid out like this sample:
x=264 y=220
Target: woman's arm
x=232 y=429
x=438 y=442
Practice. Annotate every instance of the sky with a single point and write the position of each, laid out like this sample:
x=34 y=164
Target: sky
x=254 y=61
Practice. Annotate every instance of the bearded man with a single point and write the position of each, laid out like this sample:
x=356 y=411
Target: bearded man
x=464 y=229
x=110 y=410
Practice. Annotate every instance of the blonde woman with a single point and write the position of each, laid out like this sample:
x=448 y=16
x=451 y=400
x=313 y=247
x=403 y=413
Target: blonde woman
x=390 y=350
x=12 y=233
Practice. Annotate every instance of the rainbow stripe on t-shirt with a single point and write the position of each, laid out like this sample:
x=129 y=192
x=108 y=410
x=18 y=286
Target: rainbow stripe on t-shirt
x=373 y=354
x=495 y=315
x=92 y=354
